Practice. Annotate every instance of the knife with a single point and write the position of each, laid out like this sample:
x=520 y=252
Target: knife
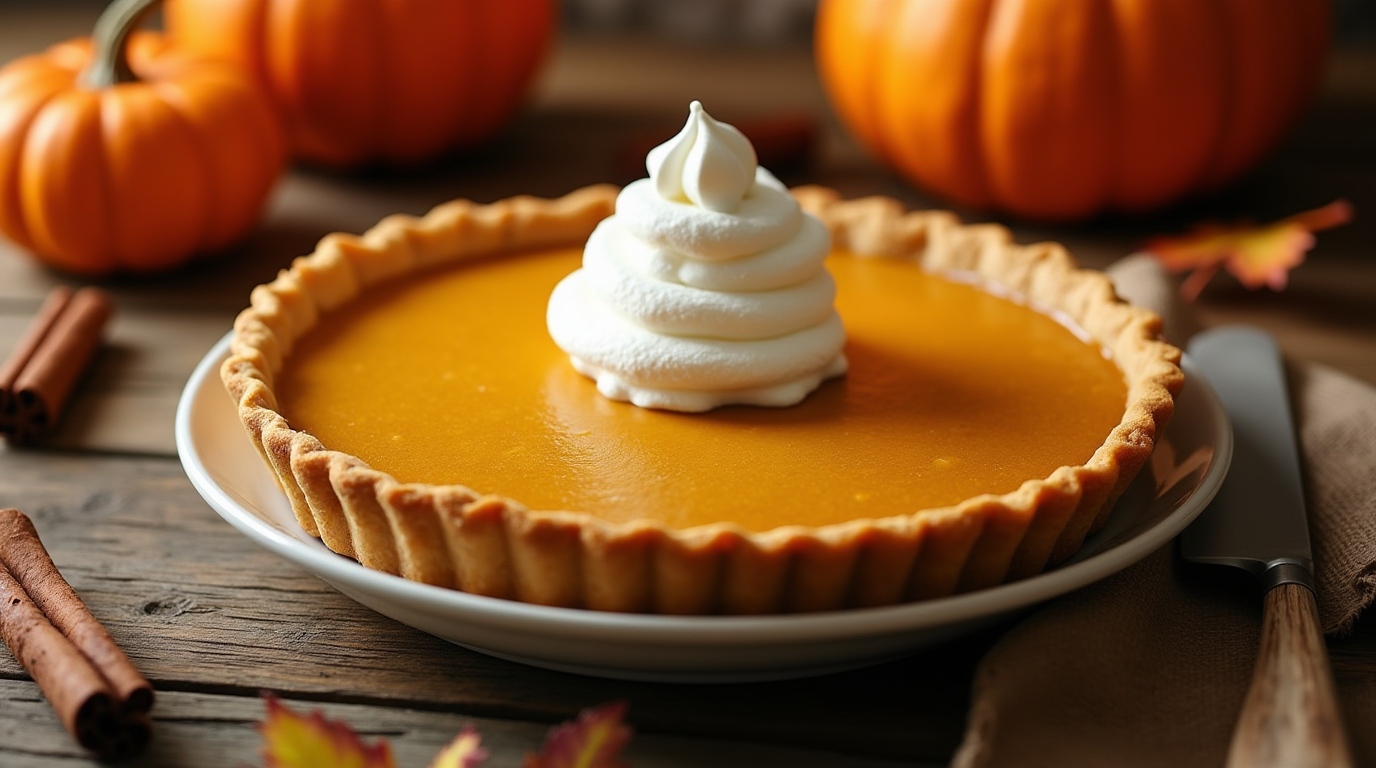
x=1257 y=522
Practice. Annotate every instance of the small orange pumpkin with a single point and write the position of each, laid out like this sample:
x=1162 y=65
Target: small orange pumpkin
x=1062 y=108
x=112 y=163
x=396 y=81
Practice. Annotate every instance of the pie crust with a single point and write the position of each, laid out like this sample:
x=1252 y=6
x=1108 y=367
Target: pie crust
x=490 y=545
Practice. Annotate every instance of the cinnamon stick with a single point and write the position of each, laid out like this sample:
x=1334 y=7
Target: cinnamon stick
x=38 y=330
x=40 y=373
x=100 y=697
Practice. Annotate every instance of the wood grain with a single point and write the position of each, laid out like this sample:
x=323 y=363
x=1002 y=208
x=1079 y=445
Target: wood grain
x=200 y=608
x=1290 y=717
x=218 y=731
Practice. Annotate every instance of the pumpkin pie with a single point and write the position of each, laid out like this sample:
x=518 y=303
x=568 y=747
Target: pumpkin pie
x=404 y=390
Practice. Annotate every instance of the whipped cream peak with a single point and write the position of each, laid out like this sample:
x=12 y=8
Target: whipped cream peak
x=709 y=163
x=707 y=287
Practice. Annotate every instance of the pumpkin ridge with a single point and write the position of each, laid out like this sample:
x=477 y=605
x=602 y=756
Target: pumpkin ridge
x=1161 y=157
x=37 y=184
x=1117 y=120
x=1208 y=173
x=934 y=135
x=979 y=165
x=870 y=125
x=525 y=68
x=1254 y=123
x=261 y=124
x=254 y=58
x=155 y=166
x=1068 y=123
x=388 y=97
x=175 y=98
x=15 y=132
x=374 y=81
x=1052 y=107
x=474 y=88
x=377 y=31
x=423 y=118
x=514 y=56
x=311 y=98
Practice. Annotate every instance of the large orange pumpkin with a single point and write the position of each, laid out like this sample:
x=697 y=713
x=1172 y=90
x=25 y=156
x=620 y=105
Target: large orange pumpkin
x=1063 y=108
x=109 y=164
x=396 y=81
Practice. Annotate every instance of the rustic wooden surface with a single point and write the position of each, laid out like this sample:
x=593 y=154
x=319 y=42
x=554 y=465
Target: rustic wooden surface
x=212 y=619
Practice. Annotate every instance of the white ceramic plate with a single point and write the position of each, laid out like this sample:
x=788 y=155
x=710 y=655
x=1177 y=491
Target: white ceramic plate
x=225 y=468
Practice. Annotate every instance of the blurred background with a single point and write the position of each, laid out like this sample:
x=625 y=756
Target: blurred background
x=620 y=73
x=740 y=22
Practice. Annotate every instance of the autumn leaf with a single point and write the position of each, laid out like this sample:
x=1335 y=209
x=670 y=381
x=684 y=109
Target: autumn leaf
x=594 y=740
x=462 y=752
x=1256 y=254
x=291 y=740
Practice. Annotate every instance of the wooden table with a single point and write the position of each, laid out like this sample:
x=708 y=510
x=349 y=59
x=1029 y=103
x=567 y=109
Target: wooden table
x=212 y=619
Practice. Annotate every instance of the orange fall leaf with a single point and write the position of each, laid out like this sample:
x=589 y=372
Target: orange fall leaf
x=292 y=740
x=1256 y=254
x=463 y=752
x=594 y=740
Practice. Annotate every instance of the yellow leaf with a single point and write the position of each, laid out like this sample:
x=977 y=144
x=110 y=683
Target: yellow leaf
x=1256 y=255
x=1265 y=255
x=463 y=752
x=291 y=740
x=594 y=740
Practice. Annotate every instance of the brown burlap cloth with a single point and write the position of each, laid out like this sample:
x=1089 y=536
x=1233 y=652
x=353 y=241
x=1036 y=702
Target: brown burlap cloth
x=1149 y=667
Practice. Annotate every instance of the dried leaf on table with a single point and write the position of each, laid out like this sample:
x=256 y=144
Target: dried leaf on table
x=463 y=752
x=1256 y=254
x=594 y=740
x=292 y=740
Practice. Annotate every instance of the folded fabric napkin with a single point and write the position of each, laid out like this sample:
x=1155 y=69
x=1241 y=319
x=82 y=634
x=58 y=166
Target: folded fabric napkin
x=1149 y=667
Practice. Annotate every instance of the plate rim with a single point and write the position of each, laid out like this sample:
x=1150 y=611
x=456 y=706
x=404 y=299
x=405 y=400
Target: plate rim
x=816 y=627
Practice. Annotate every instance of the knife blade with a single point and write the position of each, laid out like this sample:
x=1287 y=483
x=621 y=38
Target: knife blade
x=1258 y=523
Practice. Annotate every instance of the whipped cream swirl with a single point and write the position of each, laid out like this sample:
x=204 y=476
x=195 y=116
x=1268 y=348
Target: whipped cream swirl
x=706 y=287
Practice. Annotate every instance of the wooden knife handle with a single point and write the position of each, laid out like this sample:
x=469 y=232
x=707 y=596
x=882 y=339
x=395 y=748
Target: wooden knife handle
x=1290 y=717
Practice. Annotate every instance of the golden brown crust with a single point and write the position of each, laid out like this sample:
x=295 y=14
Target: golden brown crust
x=489 y=545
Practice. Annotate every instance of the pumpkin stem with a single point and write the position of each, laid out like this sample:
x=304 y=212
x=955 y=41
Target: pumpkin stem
x=109 y=60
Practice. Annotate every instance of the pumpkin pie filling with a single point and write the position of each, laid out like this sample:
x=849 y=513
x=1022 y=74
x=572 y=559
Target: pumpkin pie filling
x=406 y=394
x=449 y=378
